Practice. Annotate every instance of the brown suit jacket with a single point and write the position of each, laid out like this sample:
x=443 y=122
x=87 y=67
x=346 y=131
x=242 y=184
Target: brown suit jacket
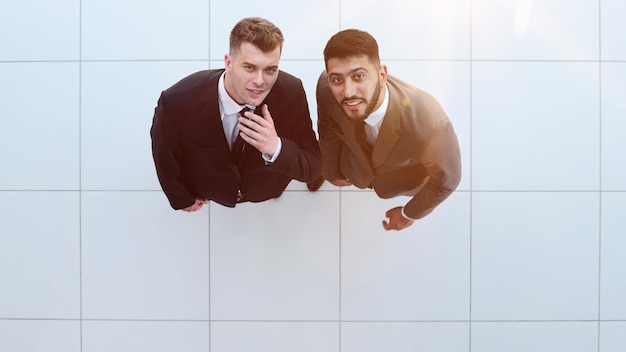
x=416 y=153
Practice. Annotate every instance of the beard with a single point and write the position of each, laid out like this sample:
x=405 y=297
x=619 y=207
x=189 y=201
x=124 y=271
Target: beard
x=369 y=108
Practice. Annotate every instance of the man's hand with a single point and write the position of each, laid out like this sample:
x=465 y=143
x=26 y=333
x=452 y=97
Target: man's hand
x=341 y=182
x=396 y=220
x=197 y=205
x=259 y=131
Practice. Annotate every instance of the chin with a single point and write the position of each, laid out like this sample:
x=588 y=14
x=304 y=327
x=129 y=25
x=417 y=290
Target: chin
x=354 y=115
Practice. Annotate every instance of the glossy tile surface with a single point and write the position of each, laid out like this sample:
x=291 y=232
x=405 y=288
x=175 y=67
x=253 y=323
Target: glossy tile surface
x=39 y=135
x=376 y=265
x=276 y=261
x=526 y=255
x=535 y=336
x=274 y=336
x=157 y=336
x=544 y=269
x=40 y=255
x=135 y=267
x=535 y=30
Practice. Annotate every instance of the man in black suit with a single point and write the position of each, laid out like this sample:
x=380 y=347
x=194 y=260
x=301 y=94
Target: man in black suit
x=205 y=148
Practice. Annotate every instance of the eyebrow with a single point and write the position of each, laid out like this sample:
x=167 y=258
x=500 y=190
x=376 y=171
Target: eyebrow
x=273 y=67
x=349 y=72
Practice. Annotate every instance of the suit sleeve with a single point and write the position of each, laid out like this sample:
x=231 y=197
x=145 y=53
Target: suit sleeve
x=167 y=155
x=330 y=143
x=300 y=156
x=442 y=160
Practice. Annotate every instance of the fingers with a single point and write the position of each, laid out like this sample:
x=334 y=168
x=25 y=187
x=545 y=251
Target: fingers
x=197 y=205
x=266 y=113
x=259 y=131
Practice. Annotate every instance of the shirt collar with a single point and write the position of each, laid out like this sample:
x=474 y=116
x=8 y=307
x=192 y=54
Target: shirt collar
x=377 y=116
x=227 y=105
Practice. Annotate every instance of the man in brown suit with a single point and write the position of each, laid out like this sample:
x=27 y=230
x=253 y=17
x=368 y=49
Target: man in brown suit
x=379 y=132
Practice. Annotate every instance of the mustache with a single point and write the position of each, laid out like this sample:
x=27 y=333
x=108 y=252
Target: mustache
x=344 y=100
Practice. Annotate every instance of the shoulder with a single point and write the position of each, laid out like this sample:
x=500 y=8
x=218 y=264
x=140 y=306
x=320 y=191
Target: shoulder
x=193 y=90
x=287 y=81
x=322 y=90
x=418 y=107
x=194 y=83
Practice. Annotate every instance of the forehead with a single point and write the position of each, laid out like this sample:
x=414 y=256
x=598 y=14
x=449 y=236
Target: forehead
x=250 y=54
x=346 y=65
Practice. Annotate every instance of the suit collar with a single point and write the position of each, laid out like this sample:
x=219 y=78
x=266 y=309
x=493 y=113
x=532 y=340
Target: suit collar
x=390 y=130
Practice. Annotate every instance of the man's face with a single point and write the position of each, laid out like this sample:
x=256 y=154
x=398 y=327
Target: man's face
x=251 y=74
x=356 y=84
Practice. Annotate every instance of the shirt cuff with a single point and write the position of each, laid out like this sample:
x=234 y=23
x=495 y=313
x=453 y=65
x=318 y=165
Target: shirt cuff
x=270 y=159
x=407 y=217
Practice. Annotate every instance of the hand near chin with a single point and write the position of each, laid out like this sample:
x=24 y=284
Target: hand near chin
x=259 y=131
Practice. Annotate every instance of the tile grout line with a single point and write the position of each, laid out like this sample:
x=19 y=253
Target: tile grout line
x=471 y=188
x=599 y=173
x=80 y=173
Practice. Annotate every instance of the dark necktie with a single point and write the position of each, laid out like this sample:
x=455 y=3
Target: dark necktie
x=359 y=132
x=239 y=145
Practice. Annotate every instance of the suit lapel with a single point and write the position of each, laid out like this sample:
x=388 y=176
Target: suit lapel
x=389 y=133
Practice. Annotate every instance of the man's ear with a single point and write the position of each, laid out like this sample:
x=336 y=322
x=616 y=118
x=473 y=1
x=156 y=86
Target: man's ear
x=228 y=62
x=382 y=73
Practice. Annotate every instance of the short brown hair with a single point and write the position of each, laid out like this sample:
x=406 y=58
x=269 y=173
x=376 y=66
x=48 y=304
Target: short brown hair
x=257 y=31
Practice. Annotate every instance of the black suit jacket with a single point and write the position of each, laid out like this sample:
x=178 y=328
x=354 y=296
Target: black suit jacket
x=192 y=156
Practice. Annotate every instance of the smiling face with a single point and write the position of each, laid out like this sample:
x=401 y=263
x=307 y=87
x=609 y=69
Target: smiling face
x=250 y=73
x=356 y=84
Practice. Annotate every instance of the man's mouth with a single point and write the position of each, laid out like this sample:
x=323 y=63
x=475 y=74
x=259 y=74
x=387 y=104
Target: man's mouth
x=353 y=103
x=256 y=92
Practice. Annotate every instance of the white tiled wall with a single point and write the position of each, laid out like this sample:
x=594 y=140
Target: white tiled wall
x=527 y=255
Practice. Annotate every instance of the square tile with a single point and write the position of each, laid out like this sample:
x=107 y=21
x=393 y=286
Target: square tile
x=40 y=255
x=136 y=30
x=305 y=34
x=449 y=83
x=413 y=30
x=535 y=126
x=535 y=256
x=613 y=29
x=535 y=336
x=274 y=337
x=404 y=337
x=612 y=336
x=535 y=30
x=38 y=30
x=153 y=336
x=39 y=137
x=417 y=274
x=142 y=260
x=613 y=126
x=276 y=260
x=613 y=282
x=115 y=137
x=40 y=335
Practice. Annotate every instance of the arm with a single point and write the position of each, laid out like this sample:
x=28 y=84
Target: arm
x=167 y=153
x=330 y=143
x=442 y=160
x=299 y=155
